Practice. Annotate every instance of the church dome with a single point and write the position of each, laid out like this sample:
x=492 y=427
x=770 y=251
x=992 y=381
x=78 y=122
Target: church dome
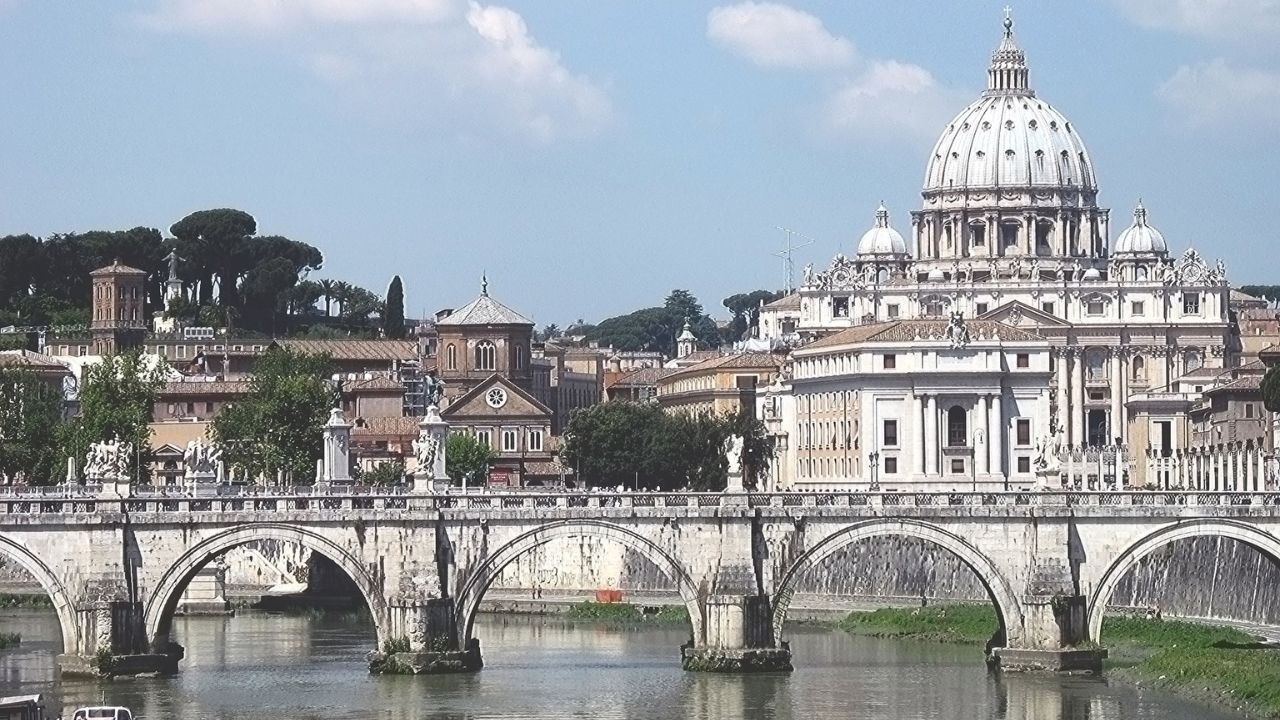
x=882 y=239
x=1009 y=138
x=1140 y=237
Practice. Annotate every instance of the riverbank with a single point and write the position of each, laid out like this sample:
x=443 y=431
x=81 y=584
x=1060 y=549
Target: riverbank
x=9 y=640
x=1222 y=665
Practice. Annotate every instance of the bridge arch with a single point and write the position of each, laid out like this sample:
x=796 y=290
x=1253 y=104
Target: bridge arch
x=1260 y=540
x=68 y=620
x=1008 y=610
x=474 y=587
x=164 y=599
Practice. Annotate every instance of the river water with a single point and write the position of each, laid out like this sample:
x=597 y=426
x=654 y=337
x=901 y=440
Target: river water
x=259 y=665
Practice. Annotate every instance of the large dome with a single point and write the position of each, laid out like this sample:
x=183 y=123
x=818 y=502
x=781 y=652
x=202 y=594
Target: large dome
x=1009 y=138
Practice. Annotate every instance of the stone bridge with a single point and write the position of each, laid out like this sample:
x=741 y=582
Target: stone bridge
x=115 y=567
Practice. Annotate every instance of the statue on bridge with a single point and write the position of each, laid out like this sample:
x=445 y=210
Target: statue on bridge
x=425 y=449
x=201 y=458
x=733 y=453
x=433 y=389
x=107 y=460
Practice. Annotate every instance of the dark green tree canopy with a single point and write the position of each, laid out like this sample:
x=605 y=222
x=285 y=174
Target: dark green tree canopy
x=30 y=420
x=393 y=315
x=655 y=328
x=466 y=458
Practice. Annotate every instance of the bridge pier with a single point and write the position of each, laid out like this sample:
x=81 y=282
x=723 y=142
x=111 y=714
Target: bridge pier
x=113 y=642
x=424 y=640
x=739 y=630
x=1054 y=635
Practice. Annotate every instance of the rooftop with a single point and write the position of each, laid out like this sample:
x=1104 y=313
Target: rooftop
x=919 y=330
x=484 y=310
x=33 y=361
x=399 y=350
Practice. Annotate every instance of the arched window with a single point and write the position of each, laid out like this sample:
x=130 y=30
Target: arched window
x=486 y=356
x=1192 y=360
x=519 y=356
x=1142 y=272
x=957 y=427
x=451 y=357
x=1139 y=367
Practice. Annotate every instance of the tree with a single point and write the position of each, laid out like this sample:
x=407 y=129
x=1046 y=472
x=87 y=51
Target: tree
x=466 y=458
x=278 y=427
x=1270 y=387
x=550 y=332
x=746 y=310
x=116 y=397
x=214 y=243
x=393 y=313
x=385 y=474
x=30 y=414
x=1270 y=293
x=328 y=290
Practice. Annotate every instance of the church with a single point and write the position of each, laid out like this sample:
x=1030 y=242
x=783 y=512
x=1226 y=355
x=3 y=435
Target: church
x=1004 y=327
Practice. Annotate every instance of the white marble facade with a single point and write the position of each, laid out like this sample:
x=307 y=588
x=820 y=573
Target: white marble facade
x=1010 y=232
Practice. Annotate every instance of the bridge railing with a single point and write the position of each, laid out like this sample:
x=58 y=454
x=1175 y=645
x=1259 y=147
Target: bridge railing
x=44 y=501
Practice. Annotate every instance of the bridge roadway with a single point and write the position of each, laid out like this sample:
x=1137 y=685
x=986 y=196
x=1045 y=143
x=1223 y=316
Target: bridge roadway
x=115 y=566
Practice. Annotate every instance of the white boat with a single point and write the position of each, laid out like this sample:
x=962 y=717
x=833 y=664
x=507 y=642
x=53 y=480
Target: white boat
x=103 y=712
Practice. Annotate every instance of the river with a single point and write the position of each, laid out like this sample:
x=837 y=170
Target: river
x=259 y=665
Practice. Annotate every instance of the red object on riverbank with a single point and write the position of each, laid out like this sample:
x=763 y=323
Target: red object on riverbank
x=608 y=596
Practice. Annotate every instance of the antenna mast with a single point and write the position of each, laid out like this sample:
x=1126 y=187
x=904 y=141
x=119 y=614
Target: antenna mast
x=788 y=265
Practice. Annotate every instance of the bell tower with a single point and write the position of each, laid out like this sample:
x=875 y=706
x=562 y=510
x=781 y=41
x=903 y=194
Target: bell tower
x=119 y=308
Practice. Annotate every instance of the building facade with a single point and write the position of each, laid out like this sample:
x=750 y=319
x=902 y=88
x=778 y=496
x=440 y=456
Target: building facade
x=1010 y=232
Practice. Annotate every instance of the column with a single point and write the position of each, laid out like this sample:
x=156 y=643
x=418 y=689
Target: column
x=921 y=432
x=931 y=435
x=1077 y=397
x=1064 y=408
x=997 y=435
x=984 y=410
x=1116 y=403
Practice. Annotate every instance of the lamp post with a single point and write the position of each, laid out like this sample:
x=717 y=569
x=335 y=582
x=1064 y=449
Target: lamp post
x=874 y=461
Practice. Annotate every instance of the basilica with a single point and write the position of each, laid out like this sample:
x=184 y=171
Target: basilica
x=1004 y=328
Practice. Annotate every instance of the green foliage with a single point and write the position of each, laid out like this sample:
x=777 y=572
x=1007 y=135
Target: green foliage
x=387 y=473
x=627 y=615
x=279 y=425
x=629 y=444
x=746 y=310
x=116 y=397
x=391 y=646
x=466 y=458
x=15 y=341
x=393 y=314
x=1266 y=292
x=963 y=624
x=655 y=328
x=1270 y=387
x=9 y=640
x=30 y=415
x=15 y=600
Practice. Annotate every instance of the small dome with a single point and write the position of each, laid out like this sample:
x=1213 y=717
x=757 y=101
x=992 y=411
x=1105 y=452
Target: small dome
x=1092 y=274
x=1140 y=237
x=935 y=275
x=882 y=239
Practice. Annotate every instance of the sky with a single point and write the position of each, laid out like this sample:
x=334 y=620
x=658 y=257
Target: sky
x=591 y=155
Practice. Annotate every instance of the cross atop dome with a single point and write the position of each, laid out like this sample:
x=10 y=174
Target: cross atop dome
x=1008 y=71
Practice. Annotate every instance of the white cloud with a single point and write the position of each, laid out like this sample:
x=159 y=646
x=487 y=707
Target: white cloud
x=775 y=35
x=891 y=98
x=1231 y=20
x=455 y=63
x=1214 y=93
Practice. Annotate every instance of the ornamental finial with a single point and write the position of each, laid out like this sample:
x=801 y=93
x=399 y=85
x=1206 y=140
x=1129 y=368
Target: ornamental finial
x=1008 y=21
x=484 y=284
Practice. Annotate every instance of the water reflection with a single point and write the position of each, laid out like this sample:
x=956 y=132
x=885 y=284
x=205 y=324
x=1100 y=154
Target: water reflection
x=269 y=666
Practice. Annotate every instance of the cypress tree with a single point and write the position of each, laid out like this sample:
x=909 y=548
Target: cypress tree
x=393 y=314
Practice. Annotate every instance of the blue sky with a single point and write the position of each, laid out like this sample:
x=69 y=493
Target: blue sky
x=591 y=155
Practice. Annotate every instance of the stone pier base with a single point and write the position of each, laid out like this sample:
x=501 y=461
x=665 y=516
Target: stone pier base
x=1069 y=661
x=427 y=663
x=744 y=660
x=106 y=665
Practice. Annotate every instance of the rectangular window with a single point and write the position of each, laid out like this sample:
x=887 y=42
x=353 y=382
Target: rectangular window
x=891 y=433
x=191 y=408
x=982 y=308
x=162 y=351
x=208 y=407
x=1136 y=308
x=509 y=441
x=1047 y=307
x=840 y=307
x=957 y=466
x=1190 y=303
x=84 y=350
x=890 y=362
x=535 y=440
x=1248 y=410
x=746 y=382
x=1024 y=432
x=891 y=311
x=182 y=352
x=1095 y=307
x=1024 y=465
x=891 y=466
x=1023 y=360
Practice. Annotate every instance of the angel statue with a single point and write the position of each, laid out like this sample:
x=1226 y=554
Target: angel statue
x=733 y=453
x=425 y=449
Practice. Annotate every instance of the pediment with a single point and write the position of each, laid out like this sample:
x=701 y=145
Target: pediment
x=515 y=402
x=1022 y=315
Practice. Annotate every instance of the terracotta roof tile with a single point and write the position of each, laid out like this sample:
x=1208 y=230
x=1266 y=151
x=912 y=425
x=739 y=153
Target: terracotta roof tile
x=644 y=377
x=400 y=426
x=740 y=361
x=389 y=350
x=33 y=361
x=786 y=302
x=189 y=388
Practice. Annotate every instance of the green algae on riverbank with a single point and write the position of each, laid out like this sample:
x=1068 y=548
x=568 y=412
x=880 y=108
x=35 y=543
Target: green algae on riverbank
x=627 y=615
x=1207 y=662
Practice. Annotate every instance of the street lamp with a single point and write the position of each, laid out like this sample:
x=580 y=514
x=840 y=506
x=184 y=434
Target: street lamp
x=874 y=460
